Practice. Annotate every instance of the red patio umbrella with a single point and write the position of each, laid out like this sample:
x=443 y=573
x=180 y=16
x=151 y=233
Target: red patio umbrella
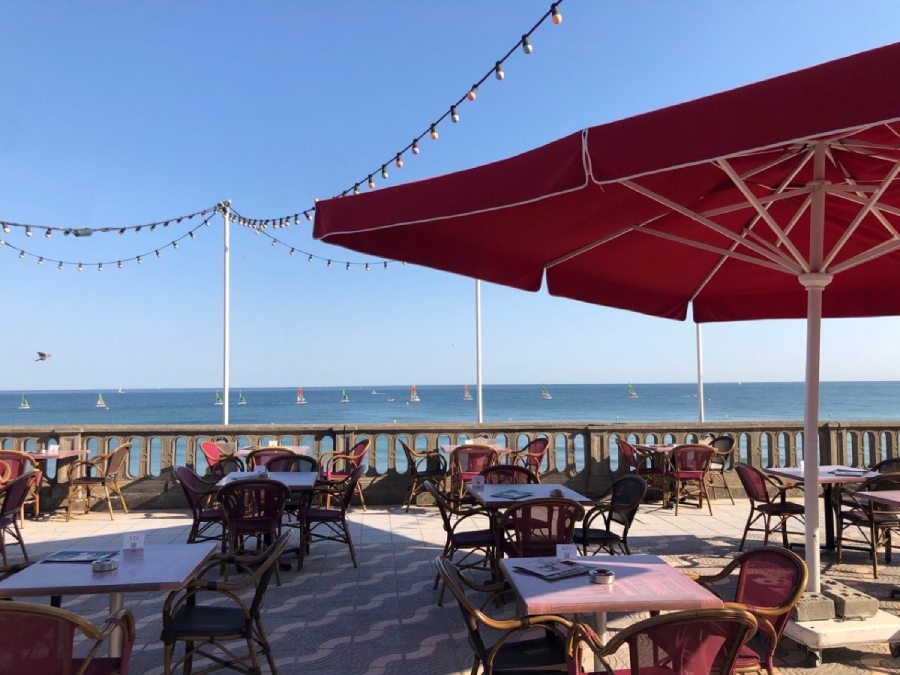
x=745 y=205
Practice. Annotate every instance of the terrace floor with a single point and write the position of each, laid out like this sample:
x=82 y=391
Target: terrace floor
x=383 y=617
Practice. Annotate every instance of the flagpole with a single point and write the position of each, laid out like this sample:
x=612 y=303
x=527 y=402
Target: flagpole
x=226 y=310
x=700 y=372
x=478 y=350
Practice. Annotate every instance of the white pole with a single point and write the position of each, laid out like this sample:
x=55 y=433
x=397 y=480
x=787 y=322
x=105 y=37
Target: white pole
x=700 y=372
x=480 y=408
x=226 y=311
x=815 y=283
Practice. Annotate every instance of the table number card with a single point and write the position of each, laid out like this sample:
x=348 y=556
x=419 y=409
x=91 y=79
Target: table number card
x=133 y=540
x=477 y=482
x=566 y=551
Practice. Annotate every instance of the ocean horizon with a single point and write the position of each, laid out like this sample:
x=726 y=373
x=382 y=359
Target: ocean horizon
x=600 y=403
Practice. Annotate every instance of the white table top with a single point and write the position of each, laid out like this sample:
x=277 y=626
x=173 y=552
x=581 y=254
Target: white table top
x=890 y=497
x=487 y=496
x=827 y=474
x=656 y=447
x=296 y=480
x=153 y=568
x=643 y=583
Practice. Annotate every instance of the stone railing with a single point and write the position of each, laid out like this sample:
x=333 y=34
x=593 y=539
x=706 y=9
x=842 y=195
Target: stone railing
x=583 y=456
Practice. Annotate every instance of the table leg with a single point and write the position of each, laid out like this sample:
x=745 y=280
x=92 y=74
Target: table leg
x=116 y=603
x=829 y=518
x=600 y=629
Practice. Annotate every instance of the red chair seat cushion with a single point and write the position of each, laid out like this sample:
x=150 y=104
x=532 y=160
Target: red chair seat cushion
x=747 y=658
x=99 y=666
x=687 y=475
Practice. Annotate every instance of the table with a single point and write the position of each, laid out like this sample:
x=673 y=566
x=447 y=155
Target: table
x=827 y=478
x=643 y=583
x=42 y=457
x=296 y=449
x=488 y=498
x=295 y=480
x=891 y=498
x=152 y=568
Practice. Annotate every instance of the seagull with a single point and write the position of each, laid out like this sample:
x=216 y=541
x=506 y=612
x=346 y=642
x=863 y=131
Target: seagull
x=42 y=356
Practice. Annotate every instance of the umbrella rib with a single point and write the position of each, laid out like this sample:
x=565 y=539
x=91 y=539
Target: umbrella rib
x=776 y=257
x=863 y=212
x=725 y=253
x=763 y=213
x=739 y=206
x=867 y=256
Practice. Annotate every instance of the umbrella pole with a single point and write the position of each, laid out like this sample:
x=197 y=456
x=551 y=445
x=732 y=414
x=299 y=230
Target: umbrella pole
x=226 y=312
x=700 y=373
x=478 y=350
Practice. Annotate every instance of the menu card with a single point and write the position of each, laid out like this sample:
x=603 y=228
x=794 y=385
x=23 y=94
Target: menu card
x=551 y=570
x=512 y=494
x=80 y=556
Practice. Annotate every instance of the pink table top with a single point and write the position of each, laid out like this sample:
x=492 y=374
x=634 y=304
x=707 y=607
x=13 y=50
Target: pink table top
x=296 y=449
x=643 y=583
x=656 y=447
x=890 y=497
x=487 y=497
x=296 y=480
x=828 y=473
x=153 y=568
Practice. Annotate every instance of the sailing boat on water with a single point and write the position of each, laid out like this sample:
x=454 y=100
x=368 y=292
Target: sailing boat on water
x=24 y=405
x=413 y=395
x=301 y=399
x=545 y=394
x=219 y=400
x=344 y=397
x=631 y=392
x=100 y=402
x=466 y=395
x=241 y=399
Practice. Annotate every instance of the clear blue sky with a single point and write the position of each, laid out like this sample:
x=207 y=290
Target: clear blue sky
x=122 y=113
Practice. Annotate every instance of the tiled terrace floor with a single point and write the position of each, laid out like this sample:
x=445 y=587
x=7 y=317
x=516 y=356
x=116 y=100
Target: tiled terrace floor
x=383 y=617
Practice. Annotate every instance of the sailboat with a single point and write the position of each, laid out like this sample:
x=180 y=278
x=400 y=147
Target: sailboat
x=301 y=399
x=241 y=399
x=219 y=400
x=344 y=397
x=413 y=395
x=466 y=395
x=24 y=405
x=631 y=392
x=100 y=402
x=545 y=394
x=121 y=391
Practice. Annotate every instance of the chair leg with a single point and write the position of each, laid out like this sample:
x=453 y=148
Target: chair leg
x=746 y=529
x=874 y=533
x=118 y=492
x=704 y=493
x=362 y=500
x=728 y=489
x=350 y=542
x=678 y=487
x=264 y=642
x=108 y=500
x=412 y=491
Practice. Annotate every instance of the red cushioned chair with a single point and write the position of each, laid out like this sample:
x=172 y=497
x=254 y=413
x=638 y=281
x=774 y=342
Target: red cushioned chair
x=468 y=461
x=533 y=528
x=690 y=464
x=426 y=465
x=20 y=463
x=329 y=522
x=200 y=495
x=767 y=506
x=13 y=496
x=532 y=455
x=508 y=474
x=336 y=467
x=616 y=507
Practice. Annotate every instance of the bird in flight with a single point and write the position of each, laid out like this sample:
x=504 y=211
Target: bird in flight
x=42 y=356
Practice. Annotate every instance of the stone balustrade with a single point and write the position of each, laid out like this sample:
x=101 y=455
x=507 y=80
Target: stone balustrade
x=583 y=456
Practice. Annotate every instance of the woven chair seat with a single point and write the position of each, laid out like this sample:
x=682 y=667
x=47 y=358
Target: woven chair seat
x=529 y=656
x=777 y=508
x=215 y=621
x=209 y=515
x=594 y=535
x=324 y=515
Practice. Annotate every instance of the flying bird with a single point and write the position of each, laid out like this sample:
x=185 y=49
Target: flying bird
x=42 y=356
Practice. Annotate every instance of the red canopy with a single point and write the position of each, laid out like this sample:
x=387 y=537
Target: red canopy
x=707 y=202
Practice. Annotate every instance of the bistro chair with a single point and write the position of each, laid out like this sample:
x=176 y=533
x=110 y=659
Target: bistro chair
x=890 y=465
x=616 y=507
x=695 y=642
x=328 y=522
x=540 y=655
x=871 y=521
x=424 y=465
x=295 y=462
x=41 y=639
x=12 y=497
x=338 y=466
x=532 y=455
x=724 y=450
x=212 y=452
x=20 y=463
x=225 y=466
x=467 y=539
x=300 y=498
x=533 y=528
x=229 y=615
x=101 y=472
x=262 y=456
x=509 y=474
x=206 y=514
x=764 y=505
x=690 y=464
x=652 y=467
x=468 y=461
x=771 y=580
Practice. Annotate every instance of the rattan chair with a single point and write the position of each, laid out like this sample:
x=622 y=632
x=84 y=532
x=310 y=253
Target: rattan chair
x=871 y=521
x=12 y=497
x=101 y=472
x=652 y=467
x=468 y=461
x=771 y=581
x=329 y=522
x=41 y=639
x=532 y=455
x=294 y=462
x=890 y=465
x=758 y=486
x=262 y=456
x=616 y=507
x=200 y=495
x=20 y=463
x=690 y=465
x=207 y=629
x=539 y=655
x=336 y=467
x=533 y=528
x=509 y=474
x=724 y=450
x=213 y=453
x=693 y=642
x=426 y=465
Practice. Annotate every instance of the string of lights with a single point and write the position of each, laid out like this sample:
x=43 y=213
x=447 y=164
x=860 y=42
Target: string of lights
x=119 y=263
x=48 y=230
x=431 y=131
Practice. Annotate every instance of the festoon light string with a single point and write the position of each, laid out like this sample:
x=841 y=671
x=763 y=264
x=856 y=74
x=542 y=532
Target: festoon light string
x=260 y=225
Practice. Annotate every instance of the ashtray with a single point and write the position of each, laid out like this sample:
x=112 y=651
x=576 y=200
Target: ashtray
x=556 y=492
x=601 y=576
x=104 y=565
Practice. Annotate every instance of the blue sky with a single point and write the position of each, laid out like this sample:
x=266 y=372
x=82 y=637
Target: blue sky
x=123 y=113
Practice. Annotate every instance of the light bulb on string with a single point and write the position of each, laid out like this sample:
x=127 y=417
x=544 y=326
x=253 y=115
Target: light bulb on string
x=122 y=231
x=60 y=266
x=99 y=267
x=399 y=161
x=498 y=71
x=175 y=245
x=80 y=267
x=348 y=267
x=27 y=230
x=296 y=219
x=310 y=259
x=139 y=261
x=385 y=264
x=555 y=15
x=526 y=45
x=157 y=252
x=21 y=254
x=274 y=242
x=257 y=231
x=191 y=234
x=137 y=229
x=473 y=93
x=40 y=261
x=153 y=227
x=371 y=182
x=356 y=189
x=120 y=264
x=308 y=215
x=415 y=146
x=434 y=133
x=384 y=171
x=6 y=227
x=292 y=252
x=453 y=114
x=367 y=267
x=328 y=264
x=48 y=233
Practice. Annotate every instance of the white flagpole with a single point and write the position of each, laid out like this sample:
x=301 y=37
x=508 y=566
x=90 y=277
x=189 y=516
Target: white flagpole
x=700 y=372
x=226 y=311
x=478 y=349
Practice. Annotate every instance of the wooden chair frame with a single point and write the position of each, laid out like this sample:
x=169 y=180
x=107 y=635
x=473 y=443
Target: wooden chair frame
x=114 y=459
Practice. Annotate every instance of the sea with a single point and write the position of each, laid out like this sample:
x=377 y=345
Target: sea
x=597 y=403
